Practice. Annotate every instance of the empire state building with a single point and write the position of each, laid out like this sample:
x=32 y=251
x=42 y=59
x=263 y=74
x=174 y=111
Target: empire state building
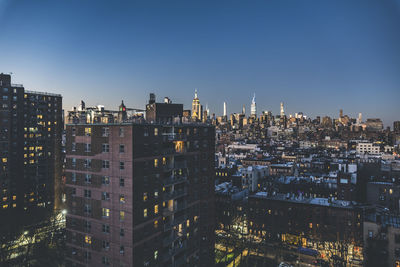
x=196 y=108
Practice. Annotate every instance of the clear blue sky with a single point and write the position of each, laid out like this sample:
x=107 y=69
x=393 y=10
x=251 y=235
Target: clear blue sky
x=316 y=56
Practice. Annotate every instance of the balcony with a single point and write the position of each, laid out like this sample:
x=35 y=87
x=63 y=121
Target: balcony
x=174 y=251
x=176 y=221
x=174 y=180
x=175 y=194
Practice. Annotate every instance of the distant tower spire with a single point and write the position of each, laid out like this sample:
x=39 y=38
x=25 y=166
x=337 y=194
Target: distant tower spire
x=244 y=109
x=195 y=93
x=253 y=107
x=282 y=110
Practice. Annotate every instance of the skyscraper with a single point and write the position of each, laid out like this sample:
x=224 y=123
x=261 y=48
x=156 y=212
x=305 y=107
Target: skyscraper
x=225 y=113
x=196 y=107
x=30 y=148
x=139 y=194
x=244 y=110
x=253 y=107
x=282 y=110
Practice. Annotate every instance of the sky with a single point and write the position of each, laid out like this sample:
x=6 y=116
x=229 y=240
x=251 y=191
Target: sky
x=315 y=56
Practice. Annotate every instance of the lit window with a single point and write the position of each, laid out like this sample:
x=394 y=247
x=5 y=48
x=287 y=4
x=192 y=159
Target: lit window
x=155 y=224
x=88 y=131
x=105 y=212
x=145 y=213
x=156 y=209
x=164 y=161
x=144 y=196
x=155 y=131
x=390 y=191
x=88 y=239
x=187 y=223
x=122 y=215
x=155 y=163
x=121 y=198
x=155 y=254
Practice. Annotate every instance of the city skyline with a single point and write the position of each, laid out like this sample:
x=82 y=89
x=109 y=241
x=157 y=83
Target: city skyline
x=345 y=55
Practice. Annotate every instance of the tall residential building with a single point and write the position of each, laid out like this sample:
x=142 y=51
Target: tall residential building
x=139 y=193
x=282 y=110
x=31 y=125
x=196 y=107
x=253 y=107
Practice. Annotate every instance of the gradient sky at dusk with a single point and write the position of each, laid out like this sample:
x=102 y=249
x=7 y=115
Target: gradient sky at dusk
x=316 y=56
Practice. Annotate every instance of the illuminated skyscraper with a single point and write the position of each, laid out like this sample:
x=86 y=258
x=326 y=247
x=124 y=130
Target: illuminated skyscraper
x=253 y=108
x=225 y=114
x=196 y=107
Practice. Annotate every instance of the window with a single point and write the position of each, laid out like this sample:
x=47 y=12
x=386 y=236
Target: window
x=87 y=163
x=155 y=163
x=73 y=147
x=88 y=178
x=156 y=254
x=88 y=131
x=121 y=132
x=121 y=148
x=105 y=180
x=88 y=239
x=155 y=224
x=121 y=198
x=156 y=194
x=73 y=177
x=105 y=131
x=106 y=228
x=105 y=260
x=144 y=196
x=397 y=238
x=155 y=131
x=88 y=226
x=88 y=255
x=73 y=162
x=164 y=161
x=73 y=131
x=121 y=165
x=121 y=232
x=105 y=148
x=145 y=213
x=122 y=215
x=106 y=245
x=87 y=209
x=87 y=193
x=105 y=196
x=121 y=250
x=88 y=147
x=105 y=212
x=106 y=164
x=155 y=209
x=121 y=182
x=73 y=192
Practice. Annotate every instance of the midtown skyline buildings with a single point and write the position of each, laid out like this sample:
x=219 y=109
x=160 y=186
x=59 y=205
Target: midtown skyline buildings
x=341 y=58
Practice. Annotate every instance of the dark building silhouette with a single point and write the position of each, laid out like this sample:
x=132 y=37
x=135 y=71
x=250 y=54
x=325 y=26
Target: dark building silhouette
x=162 y=112
x=31 y=125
